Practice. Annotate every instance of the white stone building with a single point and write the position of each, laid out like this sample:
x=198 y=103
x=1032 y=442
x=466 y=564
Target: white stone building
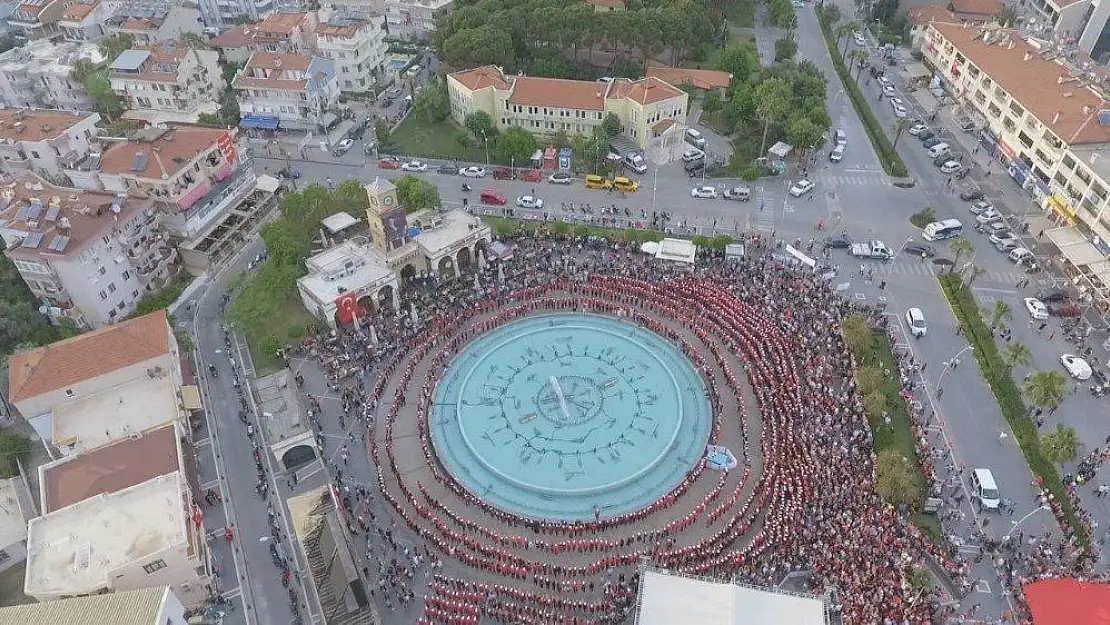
x=356 y=46
x=150 y=21
x=83 y=20
x=46 y=142
x=38 y=75
x=168 y=78
x=415 y=18
x=290 y=91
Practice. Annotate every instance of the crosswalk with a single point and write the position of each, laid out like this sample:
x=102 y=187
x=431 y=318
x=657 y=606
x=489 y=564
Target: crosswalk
x=862 y=179
x=762 y=220
x=909 y=268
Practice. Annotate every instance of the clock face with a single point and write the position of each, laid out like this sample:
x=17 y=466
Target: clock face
x=388 y=200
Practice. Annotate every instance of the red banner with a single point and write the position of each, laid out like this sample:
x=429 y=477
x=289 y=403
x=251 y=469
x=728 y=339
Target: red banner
x=348 y=309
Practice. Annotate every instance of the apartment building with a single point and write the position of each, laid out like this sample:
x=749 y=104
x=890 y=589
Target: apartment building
x=152 y=21
x=17 y=506
x=83 y=20
x=36 y=19
x=38 y=75
x=415 y=18
x=287 y=90
x=1065 y=18
x=46 y=142
x=355 y=45
x=91 y=364
x=86 y=255
x=168 y=77
x=1046 y=122
x=149 y=606
x=648 y=108
x=974 y=12
x=223 y=14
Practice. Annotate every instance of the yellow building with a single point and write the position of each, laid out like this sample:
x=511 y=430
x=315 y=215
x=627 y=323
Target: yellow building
x=650 y=110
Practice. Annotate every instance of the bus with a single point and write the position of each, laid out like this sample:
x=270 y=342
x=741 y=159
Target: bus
x=940 y=230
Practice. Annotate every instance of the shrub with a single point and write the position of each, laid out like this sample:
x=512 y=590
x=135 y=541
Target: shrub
x=923 y=217
x=1008 y=395
x=751 y=174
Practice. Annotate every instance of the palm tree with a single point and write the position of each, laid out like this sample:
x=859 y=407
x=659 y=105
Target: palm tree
x=858 y=56
x=1000 y=312
x=1060 y=445
x=900 y=126
x=842 y=32
x=1016 y=355
x=1046 y=389
x=975 y=273
x=959 y=247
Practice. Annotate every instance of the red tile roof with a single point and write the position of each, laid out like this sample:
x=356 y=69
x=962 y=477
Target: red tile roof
x=699 y=78
x=985 y=8
x=559 y=93
x=645 y=91
x=483 y=77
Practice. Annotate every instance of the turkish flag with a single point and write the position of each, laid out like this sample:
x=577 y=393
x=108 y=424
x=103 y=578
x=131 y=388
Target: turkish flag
x=198 y=516
x=348 y=309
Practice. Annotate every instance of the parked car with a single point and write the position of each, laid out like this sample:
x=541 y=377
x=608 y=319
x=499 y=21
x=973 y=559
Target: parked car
x=528 y=201
x=950 y=167
x=941 y=159
x=705 y=193
x=560 y=177
x=389 y=163
x=447 y=170
x=692 y=154
x=1054 y=294
x=1036 y=308
x=801 y=187
x=888 y=89
x=988 y=216
x=927 y=134
x=415 y=166
x=920 y=249
x=858 y=38
x=473 y=172
x=971 y=195
x=344 y=146
x=966 y=125
x=980 y=206
x=502 y=173
x=917 y=129
x=1004 y=241
x=838 y=242
x=496 y=198
x=1076 y=366
x=931 y=141
x=531 y=175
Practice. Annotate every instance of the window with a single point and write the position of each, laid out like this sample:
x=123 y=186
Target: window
x=157 y=565
x=111 y=287
x=102 y=271
x=34 y=155
x=1068 y=162
x=103 y=295
x=69 y=392
x=135 y=293
x=126 y=275
x=121 y=306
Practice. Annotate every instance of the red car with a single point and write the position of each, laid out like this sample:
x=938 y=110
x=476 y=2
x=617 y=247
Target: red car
x=531 y=175
x=502 y=173
x=389 y=163
x=489 y=196
x=1064 y=309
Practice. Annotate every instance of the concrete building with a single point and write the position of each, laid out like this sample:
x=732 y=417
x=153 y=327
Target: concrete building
x=83 y=20
x=287 y=90
x=1061 y=18
x=152 y=21
x=86 y=255
x=17 y=507
x=147 y=534
x=1045 y=122
x=921 y=17
x=36 y=19
x=225 y=13
x=364 y=273
x=37 y=75
x=168 y=77
x=46 y=142
x=279 y=32
x=89 y=364
x=148 y=606
x=355 y=45
x=415 y=19
x=227 y=232
x=649 y=109
x=115 y=414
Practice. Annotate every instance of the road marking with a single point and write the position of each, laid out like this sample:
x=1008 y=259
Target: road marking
x=984 y=288
x=233 y=593
x=861 y=296
x=204 y=442
x=211 y=484
x=855 y=170
x=983 y=586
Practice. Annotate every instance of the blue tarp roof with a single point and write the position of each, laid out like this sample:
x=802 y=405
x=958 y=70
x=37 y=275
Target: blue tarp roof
x=264 y=122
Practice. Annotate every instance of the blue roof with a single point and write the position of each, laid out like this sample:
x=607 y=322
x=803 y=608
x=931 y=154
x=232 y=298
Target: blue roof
x=263 y=122
x=130 y=60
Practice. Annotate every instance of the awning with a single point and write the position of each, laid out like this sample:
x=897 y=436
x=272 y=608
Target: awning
x=1074 y=246
x=190 y=398
x=805 y=260
x=261 y=122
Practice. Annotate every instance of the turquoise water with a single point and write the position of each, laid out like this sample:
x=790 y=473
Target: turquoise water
x=554 y=416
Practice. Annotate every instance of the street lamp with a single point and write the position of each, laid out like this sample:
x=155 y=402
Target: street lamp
x=1018 y=523
x=904 y=244
x=952 y=363
x=485 y=140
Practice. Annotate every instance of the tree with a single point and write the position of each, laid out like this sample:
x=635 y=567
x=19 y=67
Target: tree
x=417 y=193
x=483 y=45
x=13 y=447
x=516 y=146
x=611 y=127
x=104 y=99
x=999 y=313
x=959 y=247
x=900 y=126
x=895 y=479
x=856 y=58
x=81 y=70
x=858 y=334
x=479 y=124
x=920 y=579
x=830 y=13
x=1060 y=445
x=740 y=59
x=1045 y=389
x=785 y=49
x=713 y=102
x=115 y=45
x=974 y=274
x=804 y=134
x=1015 y=354
x=842 y=33
x=382 y=131
x=432 y=104
x=772 y=103
x=869 y=379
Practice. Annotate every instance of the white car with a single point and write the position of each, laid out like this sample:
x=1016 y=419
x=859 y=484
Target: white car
x=900 y=112
x=473 y=172
x=560 y=177
x=1004 y=241
x=692 y=154
x=706 y=193
x=1076 y=366
x=883 y=80
x=801 y=187
x=915 y=319
x=415 y=166
x=950 y=167
x=988 y=216
x=527 y=201
x=1036 y=308
x=888 y=89
x=918 y=128
x=980 y=206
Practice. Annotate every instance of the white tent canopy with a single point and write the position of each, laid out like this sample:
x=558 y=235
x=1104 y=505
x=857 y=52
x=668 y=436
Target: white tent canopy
x=677 y=250
x=671 y=599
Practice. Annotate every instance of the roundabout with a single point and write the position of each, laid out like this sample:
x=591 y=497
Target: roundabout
x=570 y=417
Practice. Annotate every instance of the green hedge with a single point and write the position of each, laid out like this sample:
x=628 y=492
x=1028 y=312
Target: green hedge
x=892 y=163
x=1008 y=394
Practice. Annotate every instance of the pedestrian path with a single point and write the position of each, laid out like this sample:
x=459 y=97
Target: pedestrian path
x=762 y=220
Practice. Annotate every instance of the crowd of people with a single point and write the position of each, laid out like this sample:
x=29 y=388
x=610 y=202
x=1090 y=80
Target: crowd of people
x=766 y=339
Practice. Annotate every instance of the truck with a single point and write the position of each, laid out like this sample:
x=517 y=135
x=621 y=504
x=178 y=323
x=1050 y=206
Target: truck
x=741 y=194
x=636 y=163
x=629 y=153
x=871 y=249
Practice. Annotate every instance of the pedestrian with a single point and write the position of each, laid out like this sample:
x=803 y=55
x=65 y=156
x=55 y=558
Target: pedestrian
x=923 y=365
x=959 y=330
x=882 y=285
x=940 y=392
x=1002 y=437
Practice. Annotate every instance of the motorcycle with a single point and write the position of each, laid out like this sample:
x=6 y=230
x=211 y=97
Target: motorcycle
x=212 y=371
x=466 y=188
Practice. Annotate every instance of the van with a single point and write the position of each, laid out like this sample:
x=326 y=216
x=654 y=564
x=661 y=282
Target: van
x=694 y=138
x=915 y=319
x=622 y=183
x=837 y=154
x=939 y=149
x=593 y=181
x=841 y=138
x=636 y=163
x=984 y=489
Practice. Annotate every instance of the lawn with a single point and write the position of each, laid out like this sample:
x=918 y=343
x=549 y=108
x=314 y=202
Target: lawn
x=289 y=326
x=899 y=434
x=741 y=13
x=415 y=137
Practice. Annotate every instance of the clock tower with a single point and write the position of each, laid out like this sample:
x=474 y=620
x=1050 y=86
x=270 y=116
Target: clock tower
x=386 y=218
